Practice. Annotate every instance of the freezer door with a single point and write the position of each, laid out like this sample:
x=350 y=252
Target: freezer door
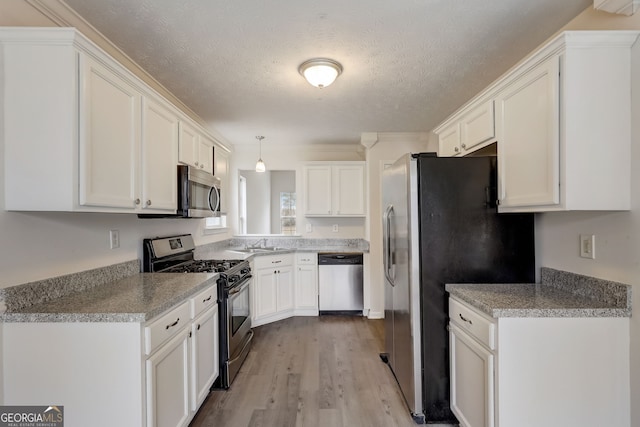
x=400 y=334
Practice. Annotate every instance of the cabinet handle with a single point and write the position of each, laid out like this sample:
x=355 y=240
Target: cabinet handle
x=137 y=201
x=173 y=324
x=190 y=334
x=198 y=328
x=148 y=202
x=207 y=299
x=276 y=262
x=465 y=320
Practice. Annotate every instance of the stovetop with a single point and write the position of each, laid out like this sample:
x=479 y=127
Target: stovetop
x=175 y=254
x=204 y=266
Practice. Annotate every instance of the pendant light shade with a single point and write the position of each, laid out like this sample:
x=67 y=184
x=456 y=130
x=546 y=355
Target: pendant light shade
x=320 y=72
x=260 y=166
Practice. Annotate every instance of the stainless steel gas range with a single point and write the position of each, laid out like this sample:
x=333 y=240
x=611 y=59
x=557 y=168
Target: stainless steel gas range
x=175 y=254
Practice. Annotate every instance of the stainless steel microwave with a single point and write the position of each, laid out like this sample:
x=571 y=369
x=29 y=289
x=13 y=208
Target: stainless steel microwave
x=198 y=195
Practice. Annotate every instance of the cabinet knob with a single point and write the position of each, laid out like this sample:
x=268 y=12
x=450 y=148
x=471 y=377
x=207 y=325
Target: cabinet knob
x=148 y=203
x=201 y=166
x=456 y=149
x=464 y=145
x=197 y=164
x=137 y=201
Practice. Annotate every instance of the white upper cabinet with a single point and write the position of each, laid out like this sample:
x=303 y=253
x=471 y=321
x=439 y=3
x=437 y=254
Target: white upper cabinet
x=195 y=149
x=159 y=155
x=562 y=121
x=334 y=189
x=83 y=133
x=530 y=138
x=109 y=118
x=469 y=130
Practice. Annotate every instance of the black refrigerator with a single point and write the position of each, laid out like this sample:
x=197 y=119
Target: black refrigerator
x=441 y=225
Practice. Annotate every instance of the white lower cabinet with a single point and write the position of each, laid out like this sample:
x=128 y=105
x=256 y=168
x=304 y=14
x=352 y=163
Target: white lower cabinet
x=306 y=286
x=156 y=374
x=167 y=373
x=273 y=292
x=204 y=355
x=538 y=371
x=472 y=385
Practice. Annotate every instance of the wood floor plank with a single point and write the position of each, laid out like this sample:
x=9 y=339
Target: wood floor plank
x=311 y=372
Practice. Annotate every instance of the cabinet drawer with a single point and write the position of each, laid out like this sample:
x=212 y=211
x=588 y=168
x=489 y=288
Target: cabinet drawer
x=273 y=261
x=204 y=300
x=472 y=322
x=166 y=326
x=307 y=258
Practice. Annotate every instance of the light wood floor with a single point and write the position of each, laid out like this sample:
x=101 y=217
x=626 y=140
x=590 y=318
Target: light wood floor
x=311 y=371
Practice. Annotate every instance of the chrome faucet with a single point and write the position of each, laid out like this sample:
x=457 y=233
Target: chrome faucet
x=260 y=243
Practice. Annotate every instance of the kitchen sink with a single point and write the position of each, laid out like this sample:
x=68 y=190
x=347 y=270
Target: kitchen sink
x=259 y=250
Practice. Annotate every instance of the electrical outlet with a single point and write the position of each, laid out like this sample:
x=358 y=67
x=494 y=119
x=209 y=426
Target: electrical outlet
x=588 y=246
x=309 y=227
x=335 y=228
x=114 y=239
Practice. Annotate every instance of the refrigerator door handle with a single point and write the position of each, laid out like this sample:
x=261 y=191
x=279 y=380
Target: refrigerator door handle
x=387 y=243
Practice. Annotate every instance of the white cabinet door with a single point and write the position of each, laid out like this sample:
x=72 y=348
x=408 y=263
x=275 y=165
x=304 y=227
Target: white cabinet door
x=205 y=363
x=159 y=157
x=109 y=137
x=317 y=190
x=472 y=380
x=266 y=292
x=307 y=287
x=348 y=191
x=205 y=155
x=168 y=383
x=449 y=141
x=285 y=291
x=477 y=127
x=529 y=137
x=189 y=145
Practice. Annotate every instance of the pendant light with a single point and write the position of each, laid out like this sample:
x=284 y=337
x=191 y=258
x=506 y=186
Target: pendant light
x=320 y=72
x=260 y=167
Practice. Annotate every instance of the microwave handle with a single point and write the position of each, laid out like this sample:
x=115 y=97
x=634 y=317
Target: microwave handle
x=215 y=208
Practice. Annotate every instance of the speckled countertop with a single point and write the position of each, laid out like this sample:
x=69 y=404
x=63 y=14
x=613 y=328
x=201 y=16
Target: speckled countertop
x=135 y=298
x=561 y=294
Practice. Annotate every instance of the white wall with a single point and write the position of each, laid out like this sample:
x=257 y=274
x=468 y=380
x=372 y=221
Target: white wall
x=617 y=233
x=388 y=148
x=258 y=202
x=280 y=157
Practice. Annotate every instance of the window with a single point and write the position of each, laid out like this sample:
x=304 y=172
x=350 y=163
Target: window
x=287 y=213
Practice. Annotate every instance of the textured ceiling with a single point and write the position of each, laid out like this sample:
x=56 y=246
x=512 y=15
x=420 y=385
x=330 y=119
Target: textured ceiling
x=407 y=63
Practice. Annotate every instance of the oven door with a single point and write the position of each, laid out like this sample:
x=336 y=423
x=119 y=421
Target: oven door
x=238 y=316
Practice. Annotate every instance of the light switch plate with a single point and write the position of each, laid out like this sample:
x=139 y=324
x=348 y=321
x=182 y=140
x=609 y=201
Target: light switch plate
x=309 y=227
x=114 y=239
x=588 y=246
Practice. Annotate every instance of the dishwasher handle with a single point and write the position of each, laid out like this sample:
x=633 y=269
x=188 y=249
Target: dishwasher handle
x=342 y=258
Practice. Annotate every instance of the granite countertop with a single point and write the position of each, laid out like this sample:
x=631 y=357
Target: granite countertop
x=561 y=294
x=135 y=298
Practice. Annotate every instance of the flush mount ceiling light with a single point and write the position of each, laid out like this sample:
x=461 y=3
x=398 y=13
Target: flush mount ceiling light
x=260 y=166
x=320 y=72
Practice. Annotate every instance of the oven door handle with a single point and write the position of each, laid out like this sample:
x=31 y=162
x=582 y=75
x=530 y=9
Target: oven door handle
x=239 y=288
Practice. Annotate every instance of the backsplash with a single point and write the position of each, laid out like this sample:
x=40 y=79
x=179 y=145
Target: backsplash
x=613 y=293
x=287 y=242
x=27 y=294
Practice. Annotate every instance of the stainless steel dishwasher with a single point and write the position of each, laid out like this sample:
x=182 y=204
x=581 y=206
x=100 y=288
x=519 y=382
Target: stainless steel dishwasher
x=340 y=283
